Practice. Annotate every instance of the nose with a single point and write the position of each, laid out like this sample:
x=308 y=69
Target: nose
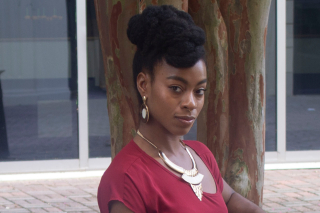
x=189 y=101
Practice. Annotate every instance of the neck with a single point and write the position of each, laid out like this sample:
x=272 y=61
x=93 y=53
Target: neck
x=164 y=140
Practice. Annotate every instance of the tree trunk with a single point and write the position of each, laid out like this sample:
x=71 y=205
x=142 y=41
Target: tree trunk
x=180 y=4
x=118 y=52
x=213 y=122
x=232 y=122
x=246 y=22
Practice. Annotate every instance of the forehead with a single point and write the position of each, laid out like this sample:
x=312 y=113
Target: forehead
x=198 y=71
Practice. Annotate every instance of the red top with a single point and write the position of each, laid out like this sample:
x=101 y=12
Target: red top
x=143 y=185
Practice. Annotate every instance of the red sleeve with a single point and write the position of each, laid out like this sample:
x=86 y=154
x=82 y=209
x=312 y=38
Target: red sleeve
x=121 y=188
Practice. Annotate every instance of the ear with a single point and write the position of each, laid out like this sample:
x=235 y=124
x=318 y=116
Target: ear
x=143 y=83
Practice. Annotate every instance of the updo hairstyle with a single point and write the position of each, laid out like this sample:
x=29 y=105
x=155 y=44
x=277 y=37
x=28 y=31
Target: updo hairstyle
x=164 y=33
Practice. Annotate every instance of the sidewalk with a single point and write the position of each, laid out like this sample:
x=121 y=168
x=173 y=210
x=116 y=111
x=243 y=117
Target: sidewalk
x=284 y=191
x=292 y=191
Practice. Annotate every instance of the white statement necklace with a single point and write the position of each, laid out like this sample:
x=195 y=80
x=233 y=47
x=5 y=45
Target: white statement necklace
x=192 y=176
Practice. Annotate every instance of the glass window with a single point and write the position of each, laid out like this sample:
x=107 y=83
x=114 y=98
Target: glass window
x=99 y=130
x=271 y=136
x=38 y=66
x=303 y=75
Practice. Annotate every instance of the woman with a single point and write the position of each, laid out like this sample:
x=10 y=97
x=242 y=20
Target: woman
x=156 y=171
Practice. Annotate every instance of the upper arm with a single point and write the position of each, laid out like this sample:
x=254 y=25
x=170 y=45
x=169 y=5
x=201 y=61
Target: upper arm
x=118 y=207
x=236 y=203
x=227 y=191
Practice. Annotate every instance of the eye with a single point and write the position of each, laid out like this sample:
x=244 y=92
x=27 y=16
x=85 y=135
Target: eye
x=176 y=89
x=201 y=91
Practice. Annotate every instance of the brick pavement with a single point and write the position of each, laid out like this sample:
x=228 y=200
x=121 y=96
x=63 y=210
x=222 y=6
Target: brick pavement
x=284 y=191
x=292 y=191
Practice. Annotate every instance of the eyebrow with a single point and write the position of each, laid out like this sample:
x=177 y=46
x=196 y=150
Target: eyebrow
x=184 y=81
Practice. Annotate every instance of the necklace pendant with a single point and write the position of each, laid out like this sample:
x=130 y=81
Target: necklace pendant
x=195 y=183
x=197 y=189
x=193 y=179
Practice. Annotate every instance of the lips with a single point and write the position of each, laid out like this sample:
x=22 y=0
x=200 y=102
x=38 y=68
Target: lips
x=186 y=119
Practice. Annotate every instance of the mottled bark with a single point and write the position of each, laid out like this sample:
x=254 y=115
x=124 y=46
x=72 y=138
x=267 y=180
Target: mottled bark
x=246 y=22
x=117 y=51
x=232 y=122
x=213 y=124
x=180 y=4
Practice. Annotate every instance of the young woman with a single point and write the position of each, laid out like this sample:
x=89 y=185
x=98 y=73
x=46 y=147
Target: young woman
x=156 y=171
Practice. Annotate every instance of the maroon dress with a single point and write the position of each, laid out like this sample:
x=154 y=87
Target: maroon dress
x=144 y=185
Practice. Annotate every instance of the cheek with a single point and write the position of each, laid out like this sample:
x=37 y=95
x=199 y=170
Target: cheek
x=200 y=105
x=162 y=102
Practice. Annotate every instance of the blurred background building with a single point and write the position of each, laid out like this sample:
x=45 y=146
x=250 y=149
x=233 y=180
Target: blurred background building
x=53 y=107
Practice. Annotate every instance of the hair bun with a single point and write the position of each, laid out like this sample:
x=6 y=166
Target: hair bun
x=165 y=33
x=159 y=27
x=136 y=31
x=140 y=25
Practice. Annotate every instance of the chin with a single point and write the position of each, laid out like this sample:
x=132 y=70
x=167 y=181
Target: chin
x=180 y=131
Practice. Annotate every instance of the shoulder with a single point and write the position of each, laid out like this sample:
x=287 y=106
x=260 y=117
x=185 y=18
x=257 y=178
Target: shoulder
x=119 y=182
x=130 y=156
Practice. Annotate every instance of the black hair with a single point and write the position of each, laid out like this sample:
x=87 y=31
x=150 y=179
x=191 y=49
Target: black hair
x=164 y=33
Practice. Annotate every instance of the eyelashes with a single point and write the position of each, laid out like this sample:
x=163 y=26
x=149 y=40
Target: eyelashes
x=178 y=89
x=202 y=91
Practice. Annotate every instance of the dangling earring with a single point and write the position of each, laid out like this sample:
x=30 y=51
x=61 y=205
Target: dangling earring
x=144 y=110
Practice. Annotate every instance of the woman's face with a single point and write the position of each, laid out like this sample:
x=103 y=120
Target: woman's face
x=176 y=96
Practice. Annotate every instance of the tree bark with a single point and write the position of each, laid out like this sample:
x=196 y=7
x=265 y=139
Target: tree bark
x=180 y=4
x=213 y=121
x=246 y=22
x=118 y=52
x=232 y=123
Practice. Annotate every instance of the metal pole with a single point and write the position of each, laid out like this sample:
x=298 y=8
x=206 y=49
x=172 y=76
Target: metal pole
x=4 y=148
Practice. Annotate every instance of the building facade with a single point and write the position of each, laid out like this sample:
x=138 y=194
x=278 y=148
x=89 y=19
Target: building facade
x=53 y=106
